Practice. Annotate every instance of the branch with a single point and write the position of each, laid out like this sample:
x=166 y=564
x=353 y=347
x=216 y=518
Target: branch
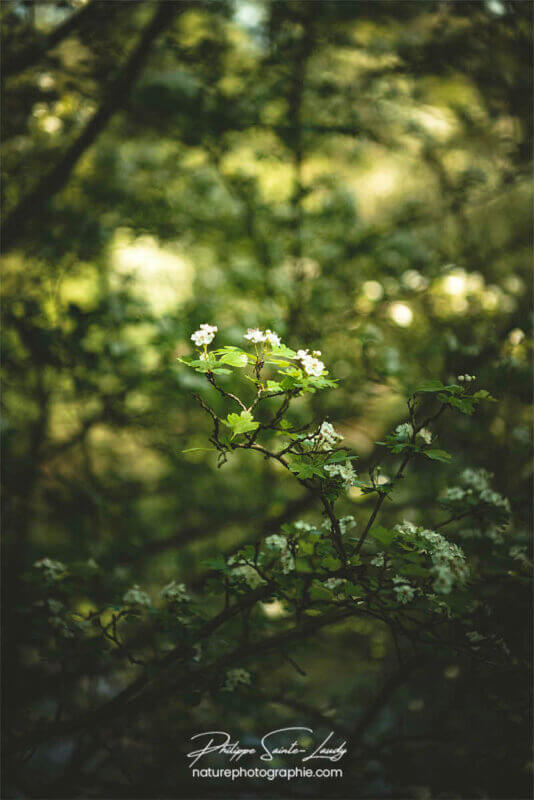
x=30 y=208
x=33 y=52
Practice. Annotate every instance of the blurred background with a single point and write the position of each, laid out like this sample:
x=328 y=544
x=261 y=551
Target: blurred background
x=354 y=175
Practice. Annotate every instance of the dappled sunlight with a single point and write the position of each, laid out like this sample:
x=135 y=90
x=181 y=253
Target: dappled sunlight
x=161 y=274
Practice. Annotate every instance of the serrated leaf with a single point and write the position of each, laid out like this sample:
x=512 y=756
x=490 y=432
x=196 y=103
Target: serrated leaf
x=241 y=423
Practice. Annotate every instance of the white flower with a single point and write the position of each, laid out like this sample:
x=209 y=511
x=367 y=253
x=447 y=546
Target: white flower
x=326 y=438
x=287 y=562
x=478 y=479
x=254 y=335
x=454 y=493
x=271 y=338
x=378 y=560
x=300 y=525
x=175 y=592
x=346 y=524
x=405 y=528
x=343 y=471
x=311 y=364
x=236 y=677
x=51 y=569
x=403 y=591
x=404 y=432
x=276 y=542
x=136 y=597
x=334 y=584
x=316 y=353
x=245 y=571
x=425 y=435
x=204 y=335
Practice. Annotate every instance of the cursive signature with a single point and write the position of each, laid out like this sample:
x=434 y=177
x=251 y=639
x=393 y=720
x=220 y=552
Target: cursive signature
x=280 y=742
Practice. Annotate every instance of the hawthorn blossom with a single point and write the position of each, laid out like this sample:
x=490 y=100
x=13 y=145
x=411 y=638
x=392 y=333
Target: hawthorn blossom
x=254 y=335
x=312 y=366
x=51 y=569
x=404 y=432
x=425 y=435
x=136 y=597
x=344 y=472
x=236 y=677
x=205 y=334
x=175 y=592
x=271 y=338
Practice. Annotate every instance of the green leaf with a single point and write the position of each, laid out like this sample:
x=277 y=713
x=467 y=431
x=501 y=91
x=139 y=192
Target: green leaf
x=234 y=359
x=429 y=386
x=241 y=423
x=483 y=394
x=438 y=455
x=198 y=449
x=382 y=535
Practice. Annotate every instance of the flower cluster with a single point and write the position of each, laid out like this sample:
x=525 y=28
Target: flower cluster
x=236 y=677
x=258 y=336
x=404 y=432
x=245 y=571
x=477 y=482
x=425 y=435
x=280 y=544
x=175 y=592
x=326 y=438
x=466 y=378
x=205 y=335
x=51 y=569
x=406 y=528
x=335 y=584
x=404 y=592
x=136 y=597
x=346 y=524
x=344 y=472
x=448 y=561
x=310 y=363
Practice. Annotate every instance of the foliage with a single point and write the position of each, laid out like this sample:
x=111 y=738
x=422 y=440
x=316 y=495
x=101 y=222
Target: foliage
x=355 y=177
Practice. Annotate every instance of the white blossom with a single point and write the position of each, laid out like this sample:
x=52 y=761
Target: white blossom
x=425 y=435
x=346 y=524
x=287 y=562
x=334 y=585
x=271 y=338
x=454 y=493
x=51 y=569
x=404 y=432
x=404 y=592
x=175 y=592
x=136 y=597
x=205 y=334
x=236 y=677
x=312 y=366
x=378 y=560
x=254 y=335
x=405 y=528
x=344 y=472
x=276 y=542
